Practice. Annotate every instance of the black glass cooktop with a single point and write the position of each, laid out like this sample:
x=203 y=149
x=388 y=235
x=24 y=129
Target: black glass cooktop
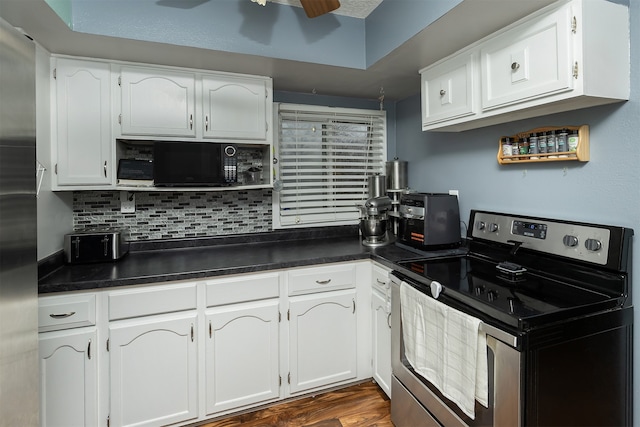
x=524 y=301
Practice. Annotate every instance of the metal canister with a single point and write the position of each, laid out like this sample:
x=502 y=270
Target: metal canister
x=397 y=174
x=377 y=185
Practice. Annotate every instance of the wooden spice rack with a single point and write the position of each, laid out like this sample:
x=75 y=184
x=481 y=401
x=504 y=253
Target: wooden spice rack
x=581 y=154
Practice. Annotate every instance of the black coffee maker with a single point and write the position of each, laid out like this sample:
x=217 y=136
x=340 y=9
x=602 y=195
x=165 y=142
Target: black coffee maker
x=429 y=221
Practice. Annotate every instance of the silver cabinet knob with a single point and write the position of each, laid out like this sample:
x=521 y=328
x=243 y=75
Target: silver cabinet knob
x=515 y=66
x=443 y=92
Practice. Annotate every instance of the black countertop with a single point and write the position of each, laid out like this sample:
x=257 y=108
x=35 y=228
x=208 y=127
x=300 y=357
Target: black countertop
x=155 y=262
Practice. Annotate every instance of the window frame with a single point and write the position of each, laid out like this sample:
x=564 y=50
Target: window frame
x=332 y=115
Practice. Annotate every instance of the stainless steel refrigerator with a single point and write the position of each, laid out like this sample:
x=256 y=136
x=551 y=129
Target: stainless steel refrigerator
x=19 y=397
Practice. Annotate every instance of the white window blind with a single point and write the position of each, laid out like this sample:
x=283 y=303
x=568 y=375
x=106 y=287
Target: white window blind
x=325 y=156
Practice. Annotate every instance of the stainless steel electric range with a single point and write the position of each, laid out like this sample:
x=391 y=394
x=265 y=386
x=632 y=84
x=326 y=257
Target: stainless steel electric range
x=554 y=300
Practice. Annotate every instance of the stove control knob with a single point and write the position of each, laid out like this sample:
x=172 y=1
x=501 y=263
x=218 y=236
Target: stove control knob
x=570 y=241
x=593 y=245
x=492 y=295
x=493 y=227
x=480 y=225
x=479 y=290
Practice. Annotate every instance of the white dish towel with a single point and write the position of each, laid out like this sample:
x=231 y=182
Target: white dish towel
x=446 y=347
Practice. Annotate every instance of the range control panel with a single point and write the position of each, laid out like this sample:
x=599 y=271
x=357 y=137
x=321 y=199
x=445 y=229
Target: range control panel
x=578 y=241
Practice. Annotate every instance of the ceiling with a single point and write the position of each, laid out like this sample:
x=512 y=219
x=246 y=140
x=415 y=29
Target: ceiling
x=354 y=8
x=395 y=75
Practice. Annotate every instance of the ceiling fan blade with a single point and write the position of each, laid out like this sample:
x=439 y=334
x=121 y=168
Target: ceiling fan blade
x=315 y=8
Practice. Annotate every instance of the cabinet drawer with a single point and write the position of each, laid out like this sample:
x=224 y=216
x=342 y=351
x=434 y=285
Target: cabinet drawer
x=448 y=89
x=66 y=312
x=380 y=279
x=152 y=300
x=527 y=62
x=242 y=288
x=319 y=279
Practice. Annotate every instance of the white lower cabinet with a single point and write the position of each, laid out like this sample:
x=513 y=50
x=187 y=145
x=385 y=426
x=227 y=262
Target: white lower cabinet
x=381 y=327
x=179 y=353
x=242 y=355
x=68 y=353
x=153 y=370
x=322 y=339
x=68 y=378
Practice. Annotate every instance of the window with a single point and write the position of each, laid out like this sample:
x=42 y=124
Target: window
x=324 y=158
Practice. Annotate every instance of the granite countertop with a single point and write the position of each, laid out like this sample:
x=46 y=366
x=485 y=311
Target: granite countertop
x=155 y=262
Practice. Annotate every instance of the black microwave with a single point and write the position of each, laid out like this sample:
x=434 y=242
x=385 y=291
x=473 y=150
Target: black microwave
x=194 y=164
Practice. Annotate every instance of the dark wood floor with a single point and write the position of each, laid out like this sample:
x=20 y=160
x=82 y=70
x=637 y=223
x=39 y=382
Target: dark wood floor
x=362 y=405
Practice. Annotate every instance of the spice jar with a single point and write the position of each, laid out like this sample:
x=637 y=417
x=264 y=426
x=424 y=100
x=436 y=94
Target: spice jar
x=533 y=144
x=561 y=141
x=542 y=143
x=515 y=144
x=572 y=142
x=551 y=143
x=507 y=148
x=524 y=145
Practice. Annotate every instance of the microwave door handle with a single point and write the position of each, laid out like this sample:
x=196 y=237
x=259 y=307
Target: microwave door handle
x=76 y=247
x=105 y=243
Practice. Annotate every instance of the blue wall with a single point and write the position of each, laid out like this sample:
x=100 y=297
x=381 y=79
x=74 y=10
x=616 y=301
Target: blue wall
x=604 y=190
x=275 y=31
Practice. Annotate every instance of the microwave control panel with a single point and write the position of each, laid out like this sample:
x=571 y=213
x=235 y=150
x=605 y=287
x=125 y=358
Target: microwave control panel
x=230 y=163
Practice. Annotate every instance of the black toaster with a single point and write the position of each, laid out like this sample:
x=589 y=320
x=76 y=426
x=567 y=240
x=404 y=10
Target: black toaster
x=95 y=245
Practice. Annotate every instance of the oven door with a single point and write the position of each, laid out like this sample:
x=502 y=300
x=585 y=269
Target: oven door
x=415 y=402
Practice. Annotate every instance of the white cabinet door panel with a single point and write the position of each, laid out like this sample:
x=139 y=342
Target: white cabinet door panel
x=242 y=355
x=526 y=63
x=323 y=345
x=235 y=108
x=381 y=342
x=68 y=378
x=448 y=90
x=153 y=370
x=83 y=142
x=159 y=103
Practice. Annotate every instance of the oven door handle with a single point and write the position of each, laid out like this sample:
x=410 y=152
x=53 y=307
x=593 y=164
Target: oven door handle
x=435 y=287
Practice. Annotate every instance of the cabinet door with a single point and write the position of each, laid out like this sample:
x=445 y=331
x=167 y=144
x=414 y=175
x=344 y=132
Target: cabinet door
x=322 y=348
x=448 y=89
x=83 y=142
x=68 y=378
x=381 y=341
x=235 y=107
x=154 y=370
x=527 y=62
x=159 y=103
x=242 y=355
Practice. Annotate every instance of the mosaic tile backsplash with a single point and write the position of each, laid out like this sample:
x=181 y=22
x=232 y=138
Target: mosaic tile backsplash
x=172 y=215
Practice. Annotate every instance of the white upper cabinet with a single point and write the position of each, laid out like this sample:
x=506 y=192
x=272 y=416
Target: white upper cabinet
x=448 y=89
x=82 y=145
x=526 y=63
x=569 y=55
x=157 y=102
x=235 y=107
x=162 y=103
